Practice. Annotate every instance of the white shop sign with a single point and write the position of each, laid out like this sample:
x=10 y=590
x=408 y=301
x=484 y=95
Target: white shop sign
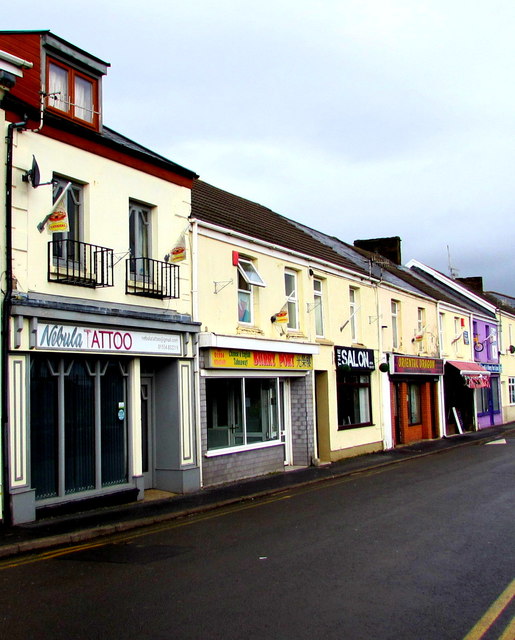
x=60 y=337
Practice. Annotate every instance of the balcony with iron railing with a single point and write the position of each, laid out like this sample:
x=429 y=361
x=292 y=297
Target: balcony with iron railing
x=79 y=263
x=151 y=278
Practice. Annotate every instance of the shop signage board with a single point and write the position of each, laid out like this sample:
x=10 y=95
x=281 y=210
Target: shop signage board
x=354 y=359
x=414 y=365
x=61 y=337
x=242 y=359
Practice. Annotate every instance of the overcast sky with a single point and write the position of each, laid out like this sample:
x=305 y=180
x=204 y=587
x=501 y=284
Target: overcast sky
x=361 y=118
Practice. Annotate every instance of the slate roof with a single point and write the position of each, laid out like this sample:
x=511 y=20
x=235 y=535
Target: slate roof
x=453 y=296
x=381 y=268
x=219 y=207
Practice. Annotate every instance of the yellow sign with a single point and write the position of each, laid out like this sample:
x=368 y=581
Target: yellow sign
x=234 y=359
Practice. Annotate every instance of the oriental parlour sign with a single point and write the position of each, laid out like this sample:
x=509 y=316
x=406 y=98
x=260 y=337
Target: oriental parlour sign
x=414 y=365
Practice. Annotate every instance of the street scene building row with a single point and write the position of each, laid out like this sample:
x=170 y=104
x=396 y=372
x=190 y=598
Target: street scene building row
x=161 y=332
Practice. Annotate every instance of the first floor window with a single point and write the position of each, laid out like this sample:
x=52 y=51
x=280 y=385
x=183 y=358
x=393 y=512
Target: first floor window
x=248 y=278
x=511 y=390
x=414 y=404
x=354 y=400
x=319 y=308
x=241 y=411
x=79 y=438
x=290 y=289
x=65 y=245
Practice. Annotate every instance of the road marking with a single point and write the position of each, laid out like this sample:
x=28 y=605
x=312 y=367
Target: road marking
x=485 y=623
x=509 y=632
x=501 y=441
x=139 y=533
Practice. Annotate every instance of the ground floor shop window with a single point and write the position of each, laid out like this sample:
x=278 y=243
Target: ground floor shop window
x=487 y=398
x=78 y=429
x=414 y=404
x=511 y=390
x=241 y=411
x=354 y=401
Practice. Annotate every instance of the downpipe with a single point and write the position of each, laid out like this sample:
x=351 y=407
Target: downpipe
x=6 y=316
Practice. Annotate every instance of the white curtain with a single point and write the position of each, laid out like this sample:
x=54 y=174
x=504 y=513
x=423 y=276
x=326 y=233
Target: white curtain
x=58 y=84
x=83 y=99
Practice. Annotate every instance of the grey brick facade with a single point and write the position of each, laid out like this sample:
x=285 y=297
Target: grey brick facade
x=229 y=467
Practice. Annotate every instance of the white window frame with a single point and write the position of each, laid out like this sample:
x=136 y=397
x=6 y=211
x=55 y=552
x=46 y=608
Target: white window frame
x=511 y=390
x=249 y=272
x=441 y=331
x=395 y=309
x=353 y=310
x=292 y=299
x=421 y=326
x=142 y=245
x=251 y=278
x=318 y=295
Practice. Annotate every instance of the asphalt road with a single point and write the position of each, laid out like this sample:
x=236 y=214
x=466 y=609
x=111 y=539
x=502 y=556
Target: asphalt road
x=419 y=550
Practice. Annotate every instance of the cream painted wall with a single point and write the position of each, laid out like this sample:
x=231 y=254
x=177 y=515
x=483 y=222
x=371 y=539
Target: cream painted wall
x=108 y=188
x=407 y=323
x=218 y=314
x=453 y=325
x=507 y=361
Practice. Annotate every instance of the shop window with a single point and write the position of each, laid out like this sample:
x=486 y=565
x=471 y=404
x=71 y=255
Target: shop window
x=482 y=400
x=241 y=411
x=318 y=307
x=414 y=404
x=88 y=434
x=248 y=278
x=487 y=398
x=354 y=400
x=290 y=289
x=511 y=390
x=72 y=93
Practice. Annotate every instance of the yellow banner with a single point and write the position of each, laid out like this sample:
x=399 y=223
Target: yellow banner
x=233 y=359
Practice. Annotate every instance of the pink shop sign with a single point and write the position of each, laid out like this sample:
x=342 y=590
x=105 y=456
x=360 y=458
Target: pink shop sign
x=61 y=337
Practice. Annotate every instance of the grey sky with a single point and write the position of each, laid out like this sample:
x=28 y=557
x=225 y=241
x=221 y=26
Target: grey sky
x=361 y=118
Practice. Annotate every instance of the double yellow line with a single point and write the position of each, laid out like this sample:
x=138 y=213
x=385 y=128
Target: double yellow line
x=138 y=533
x=485 y=623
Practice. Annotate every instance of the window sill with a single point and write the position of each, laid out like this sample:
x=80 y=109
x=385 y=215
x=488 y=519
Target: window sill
x=249 y=330
x=346 y=427
x=325 y=341
x=293 y=334
x=241 y=448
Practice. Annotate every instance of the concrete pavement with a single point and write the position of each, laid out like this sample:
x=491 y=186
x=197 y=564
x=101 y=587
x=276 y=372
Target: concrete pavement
x=88 y=525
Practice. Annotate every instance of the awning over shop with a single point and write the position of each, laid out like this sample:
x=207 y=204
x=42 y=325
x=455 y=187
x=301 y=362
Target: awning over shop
x=475 y=376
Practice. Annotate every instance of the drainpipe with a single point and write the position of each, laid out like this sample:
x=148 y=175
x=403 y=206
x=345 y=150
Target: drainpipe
x=6 y=315
x=196 y=350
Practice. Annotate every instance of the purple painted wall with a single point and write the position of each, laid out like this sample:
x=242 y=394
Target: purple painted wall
x=486 y=353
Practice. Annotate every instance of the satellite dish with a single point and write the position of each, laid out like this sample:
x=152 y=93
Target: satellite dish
x=33 y=175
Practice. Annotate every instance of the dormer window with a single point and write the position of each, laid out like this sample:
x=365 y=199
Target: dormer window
x=72 y=93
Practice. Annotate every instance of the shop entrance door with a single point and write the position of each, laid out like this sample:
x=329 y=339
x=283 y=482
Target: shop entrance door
x=147 y=432
x=284 y=420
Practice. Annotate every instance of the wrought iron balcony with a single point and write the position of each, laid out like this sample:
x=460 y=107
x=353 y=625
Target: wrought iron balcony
x=80 y=264
x=151 y=278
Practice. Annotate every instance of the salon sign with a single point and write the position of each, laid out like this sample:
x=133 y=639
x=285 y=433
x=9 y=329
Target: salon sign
x=61 y=337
